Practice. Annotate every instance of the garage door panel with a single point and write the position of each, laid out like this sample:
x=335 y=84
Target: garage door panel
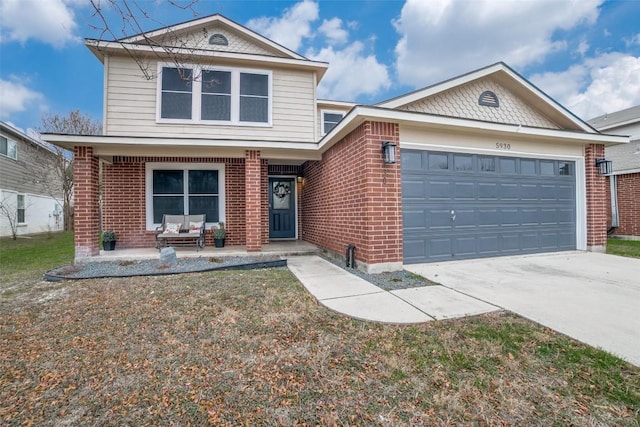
x=464 y=191
x=514 y=209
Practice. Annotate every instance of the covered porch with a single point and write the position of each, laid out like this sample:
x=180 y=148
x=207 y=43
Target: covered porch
x=274 y=248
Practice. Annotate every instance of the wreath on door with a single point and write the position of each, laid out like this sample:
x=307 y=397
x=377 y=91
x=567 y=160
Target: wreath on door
x=281 y=190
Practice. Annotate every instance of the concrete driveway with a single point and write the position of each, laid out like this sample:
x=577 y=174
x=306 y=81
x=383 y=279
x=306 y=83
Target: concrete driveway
x=592 y=297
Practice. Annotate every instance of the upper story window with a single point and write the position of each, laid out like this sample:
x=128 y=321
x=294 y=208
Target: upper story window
x=215 y=95
x=330 y=119
x=8 y=147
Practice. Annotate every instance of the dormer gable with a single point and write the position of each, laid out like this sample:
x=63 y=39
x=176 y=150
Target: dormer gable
x=214 y=32
x=493 y=94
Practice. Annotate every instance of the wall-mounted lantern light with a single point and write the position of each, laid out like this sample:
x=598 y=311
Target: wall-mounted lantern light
x=388 y=152
x=604 y=166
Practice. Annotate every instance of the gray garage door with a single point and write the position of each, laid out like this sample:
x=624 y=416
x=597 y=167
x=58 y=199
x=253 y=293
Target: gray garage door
x=457 y=206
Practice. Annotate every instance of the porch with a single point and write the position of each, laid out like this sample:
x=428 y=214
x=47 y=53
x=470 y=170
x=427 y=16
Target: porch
x=275 y=248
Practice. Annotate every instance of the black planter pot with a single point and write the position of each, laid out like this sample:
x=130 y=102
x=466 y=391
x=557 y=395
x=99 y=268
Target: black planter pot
x=109 y=246
x=218 y=243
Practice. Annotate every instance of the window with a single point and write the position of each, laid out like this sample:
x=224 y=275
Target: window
x=216 y=95
x=254 y=98
x=184 y=189
x=507 y=165
x=330 y=119
x=220 y=95
x=462 y=162
x=8 y=147
x=566 y=168
x=438 y=161
x=177 y=88
x=527 y=167
x=21 y=209
x=547 y=167
x=487 y=164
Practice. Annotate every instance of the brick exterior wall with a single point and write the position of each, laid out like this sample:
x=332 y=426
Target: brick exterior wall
x=352 y=197
x=124 y=203
x=253 y=200
x=86 y=203
x=597 y=199
x=628 y=205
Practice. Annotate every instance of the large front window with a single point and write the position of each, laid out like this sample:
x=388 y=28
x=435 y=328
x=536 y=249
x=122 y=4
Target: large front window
x=214 y=95
x=181 y=189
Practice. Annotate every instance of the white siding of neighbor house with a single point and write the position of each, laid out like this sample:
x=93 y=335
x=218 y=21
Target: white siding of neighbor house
x=200 y=40
x=41 y=214
x=462 y=101
x=131 y=108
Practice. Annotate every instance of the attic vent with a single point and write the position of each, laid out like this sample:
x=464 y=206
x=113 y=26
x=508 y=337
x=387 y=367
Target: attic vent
x=218 y=39
x=489 y=99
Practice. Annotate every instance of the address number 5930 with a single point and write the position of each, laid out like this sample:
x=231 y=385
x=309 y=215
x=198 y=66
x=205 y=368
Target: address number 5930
x=503 y=146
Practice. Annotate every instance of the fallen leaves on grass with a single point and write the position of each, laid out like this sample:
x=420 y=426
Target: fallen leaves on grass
x=252 y=348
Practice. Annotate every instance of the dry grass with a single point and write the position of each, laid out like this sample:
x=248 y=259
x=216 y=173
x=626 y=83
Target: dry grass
x=253 y=348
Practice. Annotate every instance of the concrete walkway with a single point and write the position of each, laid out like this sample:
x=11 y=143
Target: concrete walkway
x=348 y=294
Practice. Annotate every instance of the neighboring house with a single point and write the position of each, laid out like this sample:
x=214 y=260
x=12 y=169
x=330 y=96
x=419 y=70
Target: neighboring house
x=481 y=165
x=30 y=195
x=624 y=180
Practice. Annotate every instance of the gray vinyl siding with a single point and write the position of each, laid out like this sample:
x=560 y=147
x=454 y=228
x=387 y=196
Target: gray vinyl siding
x=131 y=108
x=15 y=175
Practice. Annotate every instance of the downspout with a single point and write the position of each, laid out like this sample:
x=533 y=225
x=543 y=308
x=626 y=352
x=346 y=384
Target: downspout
x=613 y=190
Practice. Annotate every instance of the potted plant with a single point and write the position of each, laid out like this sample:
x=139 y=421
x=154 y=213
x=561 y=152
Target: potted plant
x=219 y=234
x=109 y=240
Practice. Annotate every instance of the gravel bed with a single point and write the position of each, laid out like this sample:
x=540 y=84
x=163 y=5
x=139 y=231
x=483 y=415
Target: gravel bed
x=102 y=269
x=389 y=281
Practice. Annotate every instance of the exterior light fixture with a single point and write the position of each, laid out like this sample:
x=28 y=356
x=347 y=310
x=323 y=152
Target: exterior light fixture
x=300 y=179
x=604 y=166
x=388 y=152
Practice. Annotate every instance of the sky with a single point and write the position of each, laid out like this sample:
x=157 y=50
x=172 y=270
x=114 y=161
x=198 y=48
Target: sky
x=585 y=54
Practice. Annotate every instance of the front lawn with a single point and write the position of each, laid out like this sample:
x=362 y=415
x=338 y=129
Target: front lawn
x=254 y=348
x=628 y=248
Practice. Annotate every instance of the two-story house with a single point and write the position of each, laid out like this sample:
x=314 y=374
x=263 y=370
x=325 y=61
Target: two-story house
x=30 y=190
x=484 y=164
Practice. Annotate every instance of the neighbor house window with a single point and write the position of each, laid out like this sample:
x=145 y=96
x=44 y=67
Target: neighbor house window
x=214 y=95
x=330 y=119
x=184 y=189
x=8 y=147
x=21 y=209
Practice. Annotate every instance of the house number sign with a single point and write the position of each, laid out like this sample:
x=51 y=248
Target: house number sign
x=503 y=146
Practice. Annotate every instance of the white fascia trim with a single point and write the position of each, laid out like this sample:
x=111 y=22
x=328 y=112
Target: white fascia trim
x=625 y=172
x=619 y=124
x=329 y=103
x=98 y=45
x=73 y=140
x=361 y=113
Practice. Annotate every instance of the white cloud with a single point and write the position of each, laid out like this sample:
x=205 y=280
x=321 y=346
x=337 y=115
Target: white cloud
x=50 y=21
x=443 y=38
x=599 y=85
x=15 y=97
x=333 y=31
x=583 y=47
x=291 y=28
x=351 y=73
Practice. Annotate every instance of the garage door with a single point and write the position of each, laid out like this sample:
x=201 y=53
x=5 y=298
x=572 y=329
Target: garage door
x=458 y=206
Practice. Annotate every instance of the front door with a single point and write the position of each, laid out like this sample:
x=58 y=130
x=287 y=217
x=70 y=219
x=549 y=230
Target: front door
x=282 y=209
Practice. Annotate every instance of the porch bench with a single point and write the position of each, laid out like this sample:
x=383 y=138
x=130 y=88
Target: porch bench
x=181 y=230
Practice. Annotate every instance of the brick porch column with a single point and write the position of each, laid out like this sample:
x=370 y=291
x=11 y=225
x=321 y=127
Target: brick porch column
x=253 y=205
x=86 y=205
x=596 y=199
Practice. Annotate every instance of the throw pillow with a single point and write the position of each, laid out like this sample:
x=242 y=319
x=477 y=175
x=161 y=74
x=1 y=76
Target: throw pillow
x=195 y=227
x=172 y=228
